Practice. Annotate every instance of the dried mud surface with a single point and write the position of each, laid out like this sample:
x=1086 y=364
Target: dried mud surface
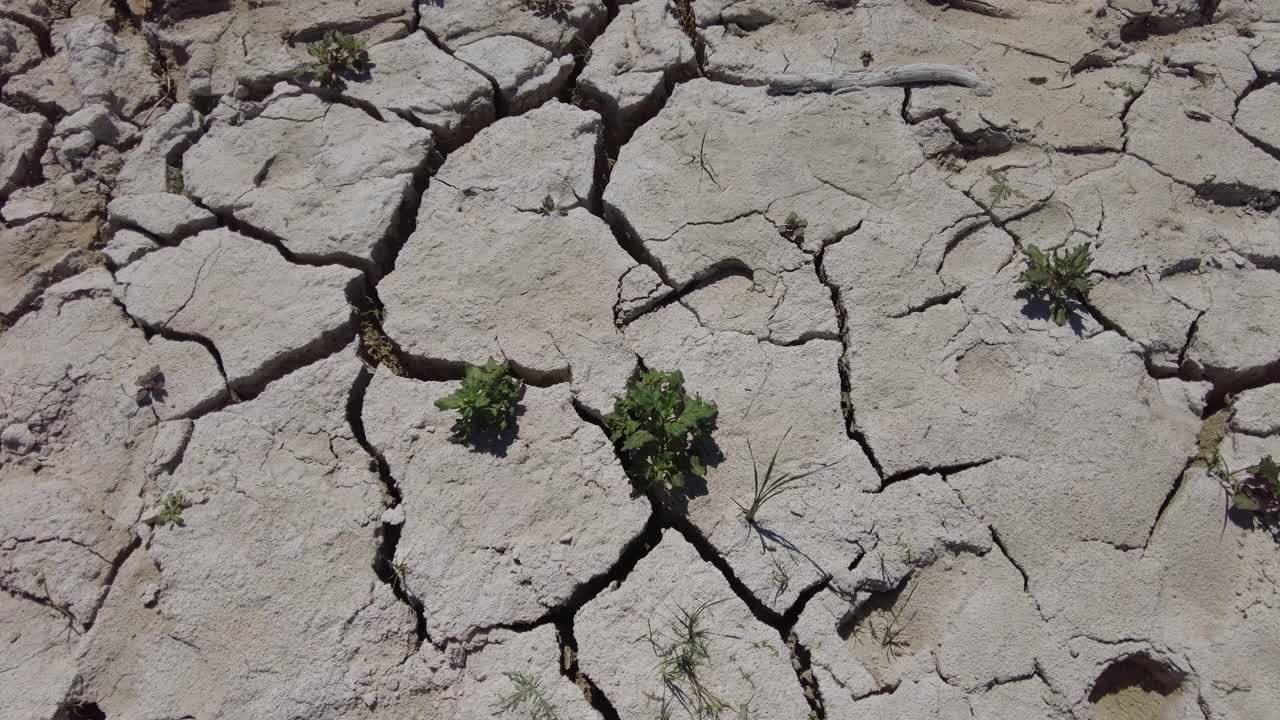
x=222 y=279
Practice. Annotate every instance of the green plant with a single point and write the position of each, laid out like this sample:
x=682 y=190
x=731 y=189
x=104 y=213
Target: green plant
x=486 y=401
x=779 y=576
x=658 y=426
x=149 y=387
x=63 y=609
x=1124 y=86
x=793 y=228
x=171 y=507
x=683 y=651
x=769 y=487
x=1000 y=189
x=549 y=207
x=700 y=158
x=889 y=632
x=1058 y=278
x=528 y=694
x=1252 y=489
x=337 y=53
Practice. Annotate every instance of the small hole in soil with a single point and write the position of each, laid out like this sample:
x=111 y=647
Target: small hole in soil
x=1137 y=688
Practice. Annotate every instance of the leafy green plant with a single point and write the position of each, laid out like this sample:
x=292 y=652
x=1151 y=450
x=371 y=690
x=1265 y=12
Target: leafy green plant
x=527 y=695
x=683 y=651
x=1252 y=489
x=486 y=401
x=658 y=425
x=337 y=53
x=551 y=207
x=1000 y=190
x=1058 y=278
x=149 y=387
x=768 y=487
x=171 y=507
x=793 y=228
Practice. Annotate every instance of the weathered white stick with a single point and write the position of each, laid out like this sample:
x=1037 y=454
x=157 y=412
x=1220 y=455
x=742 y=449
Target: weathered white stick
x=841 y=82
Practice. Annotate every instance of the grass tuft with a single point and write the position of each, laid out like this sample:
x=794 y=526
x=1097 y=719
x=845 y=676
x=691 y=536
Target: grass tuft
x=527 y=696
x=768 y=487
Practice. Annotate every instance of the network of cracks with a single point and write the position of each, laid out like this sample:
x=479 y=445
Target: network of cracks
x=234 y=285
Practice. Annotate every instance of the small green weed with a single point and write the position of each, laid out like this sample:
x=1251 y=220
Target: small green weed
x=1124 y=86
x=779 y=576
x=701 y=159
x=793 y=228
x=683 y=651
x=72 y=626
x=335 y=54
x=149 y=387
x=769 y=487
x=1058 y=279
x=529 y=696
x=486 y=401
x=551 y=207
x=1253 y=489
x=171 y=507
x=889 y=632
x=658 y=425
x=1001 y=191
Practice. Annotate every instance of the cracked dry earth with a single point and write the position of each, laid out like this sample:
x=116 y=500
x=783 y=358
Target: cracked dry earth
x=221 y=279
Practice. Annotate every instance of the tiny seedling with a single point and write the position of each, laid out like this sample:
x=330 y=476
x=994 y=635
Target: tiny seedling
x=171 y=507
x=527 y=696
x=1001 y=191
x=486 y=401
x=779 y=576
x=1253 y=489
x=550 y=207
x=889 y=632
x=700 y=158
x=335 y=54
x=793 y=228
x=63 y=609
x=657 y=425
x=1059 y=278
x=1123 y=86
x=769 y=487
x=683 y=651
x=401 y=569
